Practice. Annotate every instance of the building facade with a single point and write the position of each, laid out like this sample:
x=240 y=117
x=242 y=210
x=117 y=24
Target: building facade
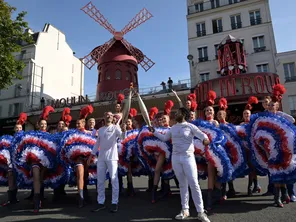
x=52 y=71
x=286 y=66
x=210 y=21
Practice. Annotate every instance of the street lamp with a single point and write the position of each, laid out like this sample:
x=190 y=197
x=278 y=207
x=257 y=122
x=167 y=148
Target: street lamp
x=190 y=59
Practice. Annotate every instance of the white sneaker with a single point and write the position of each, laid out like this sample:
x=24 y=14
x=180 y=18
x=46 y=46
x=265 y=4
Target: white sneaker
x=203 y=217
x=182 y=215
x=293 y=198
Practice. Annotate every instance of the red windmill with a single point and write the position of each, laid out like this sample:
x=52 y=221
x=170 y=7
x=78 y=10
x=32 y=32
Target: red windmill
x=117 y=59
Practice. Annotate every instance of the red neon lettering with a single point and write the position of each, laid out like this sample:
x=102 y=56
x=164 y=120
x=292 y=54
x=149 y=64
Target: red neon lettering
x=246 y=85
x=259 y=83
x=231 y=87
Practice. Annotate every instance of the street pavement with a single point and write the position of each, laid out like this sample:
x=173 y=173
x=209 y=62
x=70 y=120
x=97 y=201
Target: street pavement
x=139 y=208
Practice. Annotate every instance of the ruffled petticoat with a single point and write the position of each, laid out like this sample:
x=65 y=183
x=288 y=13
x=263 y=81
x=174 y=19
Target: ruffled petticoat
x=272 y=142
x=214 y=152
x=148 y=147
x=5 y=158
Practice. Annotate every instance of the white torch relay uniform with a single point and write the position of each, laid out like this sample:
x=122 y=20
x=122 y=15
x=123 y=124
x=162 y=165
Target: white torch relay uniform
x=183 y=161
x=107 y=160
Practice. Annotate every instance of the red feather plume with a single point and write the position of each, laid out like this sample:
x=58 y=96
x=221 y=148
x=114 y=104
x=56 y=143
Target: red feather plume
x=191 y=97
x=193 y=106
x=120 y=98
x=45 y=112
x=278 y=91
x=133 y=112
x=211 y=97
x=251 y=100
x=153 y=112
x=168 y=107
x=67 y=120
x=22 y=119
x=85 y=111
x=223 y=104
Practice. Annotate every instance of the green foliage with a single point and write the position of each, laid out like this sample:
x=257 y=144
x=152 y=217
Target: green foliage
x=12 y=33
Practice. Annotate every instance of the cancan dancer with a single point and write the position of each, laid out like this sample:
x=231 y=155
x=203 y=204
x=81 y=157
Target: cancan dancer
x=183 y=162
x=107 y=160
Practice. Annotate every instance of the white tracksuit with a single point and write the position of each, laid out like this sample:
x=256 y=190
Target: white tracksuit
x=107 y=160
x=183 y=161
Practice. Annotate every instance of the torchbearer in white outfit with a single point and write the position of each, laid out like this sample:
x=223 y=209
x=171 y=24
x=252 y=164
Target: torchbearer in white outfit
x=107 y=160
x=183 y=162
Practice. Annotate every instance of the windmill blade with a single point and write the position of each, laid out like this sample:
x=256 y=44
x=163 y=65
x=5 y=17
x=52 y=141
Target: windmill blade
x=140 y=18
x=96 y=15
x=147 y=63
x=142 y=59
x=93 y=57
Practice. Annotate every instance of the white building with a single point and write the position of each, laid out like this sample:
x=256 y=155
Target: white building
x=286 y=67
x=210 y=21
x=52 y=71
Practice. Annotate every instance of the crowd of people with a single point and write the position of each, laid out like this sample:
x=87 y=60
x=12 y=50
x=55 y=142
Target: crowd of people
x=130 y=145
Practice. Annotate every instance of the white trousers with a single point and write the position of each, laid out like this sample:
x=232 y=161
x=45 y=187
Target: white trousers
x=186 y=172
x=102 y=167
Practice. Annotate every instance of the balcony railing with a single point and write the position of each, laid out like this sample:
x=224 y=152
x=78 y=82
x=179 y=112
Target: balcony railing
x=203 y=59
x=218 y=29
x=25 y=56
x=260 y=49
x=210 y=4
x=256 y=21
x=290 y=79
x=236 y=25
x=201 y=33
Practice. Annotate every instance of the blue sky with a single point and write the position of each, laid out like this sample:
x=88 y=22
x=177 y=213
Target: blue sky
x=163 y=38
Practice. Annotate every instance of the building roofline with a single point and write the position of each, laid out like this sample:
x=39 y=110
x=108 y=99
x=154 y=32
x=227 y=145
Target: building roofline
x=286 y=53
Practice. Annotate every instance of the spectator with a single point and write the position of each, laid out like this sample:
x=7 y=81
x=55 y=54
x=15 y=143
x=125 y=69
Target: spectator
x=163 y=85
x=170 y=83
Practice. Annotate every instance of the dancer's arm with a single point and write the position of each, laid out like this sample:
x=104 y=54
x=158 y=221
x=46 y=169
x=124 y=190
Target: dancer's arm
x=199 y=134
x=178 y=99
x=165 y=137
x=96 y=146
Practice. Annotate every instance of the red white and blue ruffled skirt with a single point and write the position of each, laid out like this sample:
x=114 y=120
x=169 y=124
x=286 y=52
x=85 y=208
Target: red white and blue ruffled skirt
x=235 y=150
x=33 y=148
x=128 y=155
x=77 y=145
x=272 y=142
x=149 y=147
x=214 y=152
x=5 y=158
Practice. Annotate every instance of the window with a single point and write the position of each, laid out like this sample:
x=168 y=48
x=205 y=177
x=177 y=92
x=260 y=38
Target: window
x=72 y=80
x=204 y=77
x=217 y=25
x=292 y=104
x=233 y=1
x=258 y=43
x=289 y=70
x=15 y=109
x=117 y=74
x=128 y=75
x=262 y=68
x=215 y=3
x=201 y=29
x=236 y=22
x=255 y=17
x=17 y=90
x=216 y=50
x=107 y=75
x=199 y=7
x=203 y=54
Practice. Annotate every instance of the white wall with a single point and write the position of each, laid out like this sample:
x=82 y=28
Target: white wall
x=59 y=65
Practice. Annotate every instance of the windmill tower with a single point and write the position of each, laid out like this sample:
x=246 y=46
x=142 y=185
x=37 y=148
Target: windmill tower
x=117 y=59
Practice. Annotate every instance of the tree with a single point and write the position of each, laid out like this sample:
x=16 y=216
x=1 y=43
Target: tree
x=12 y=34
